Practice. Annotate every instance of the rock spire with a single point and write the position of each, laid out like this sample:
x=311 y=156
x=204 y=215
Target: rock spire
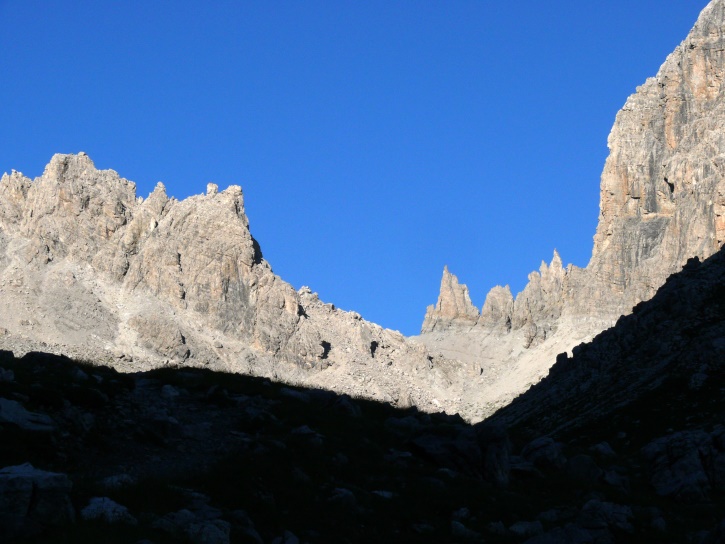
x=454 y=306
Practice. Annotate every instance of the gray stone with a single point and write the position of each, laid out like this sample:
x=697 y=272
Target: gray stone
x=462 y=514
x=343 y=498
x=676 y=465
x=544 y=452
x=32 y=500
x=383 y=494
x=175 y=523
x=287 y=538
x=458 y=530
x=294 y=394
x=209 y=532
x=104 y=509
x=118 y=481
x=454 y=306
x=406 y=426
x=569 y=534
x=6 y=375
x=13 y=412
x=604 y=451
x=169 y=392
x=496 y=452
x=346 y=405
x=598 y=514
x=617 y=480
x=245 y=526
x=524 y=529
x=584 y=470
x=497 y=528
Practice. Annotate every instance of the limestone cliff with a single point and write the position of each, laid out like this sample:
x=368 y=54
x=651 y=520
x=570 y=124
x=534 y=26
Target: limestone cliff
x=539 y=303
x=89 y=269
x=662 y=201
x=662 y=189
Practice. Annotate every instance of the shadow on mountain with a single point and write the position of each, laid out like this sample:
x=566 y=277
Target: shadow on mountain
x=660 y=368
x=623 y=442
x=190 y=455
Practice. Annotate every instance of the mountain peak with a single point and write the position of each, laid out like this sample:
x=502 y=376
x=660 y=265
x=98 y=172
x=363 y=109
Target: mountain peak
x=454 y=307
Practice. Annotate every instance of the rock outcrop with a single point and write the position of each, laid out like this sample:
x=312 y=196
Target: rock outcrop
x=662 y=201
x=498 y=308
x=676 y=341
x=663 y=185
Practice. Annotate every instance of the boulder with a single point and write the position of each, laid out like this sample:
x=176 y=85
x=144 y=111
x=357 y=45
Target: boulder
x=544 y=452
x=13 y=412
x=104 y=509
x=32 y=500
x=678 y=462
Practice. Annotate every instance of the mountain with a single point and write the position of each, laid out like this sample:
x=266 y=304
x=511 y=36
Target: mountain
x=622 y=442
x=662 y=202
x=164 y=425
x=91 y=270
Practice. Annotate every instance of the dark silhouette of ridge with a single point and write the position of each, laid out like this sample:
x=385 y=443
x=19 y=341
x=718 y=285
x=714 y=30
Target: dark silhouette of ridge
x=665 y=359
x=291 y=458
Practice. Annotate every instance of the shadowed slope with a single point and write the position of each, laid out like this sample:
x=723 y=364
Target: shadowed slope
x=673 y=343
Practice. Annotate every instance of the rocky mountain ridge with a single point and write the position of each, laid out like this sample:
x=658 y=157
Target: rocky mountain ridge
x=661 y=203
x=621 y=441
x=87 y=268
x=91 y=270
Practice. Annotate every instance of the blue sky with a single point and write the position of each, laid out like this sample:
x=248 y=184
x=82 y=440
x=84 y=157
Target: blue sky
x=375 y=141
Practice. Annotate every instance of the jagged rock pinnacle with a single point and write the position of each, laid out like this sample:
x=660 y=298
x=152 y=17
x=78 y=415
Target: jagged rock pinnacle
x=454 y=307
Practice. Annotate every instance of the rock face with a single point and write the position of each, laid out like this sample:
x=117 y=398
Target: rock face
x=89 y=269
x=642 y=407
x=662 y=201
x=622 y=442
x=662 y=190
x=13 y=412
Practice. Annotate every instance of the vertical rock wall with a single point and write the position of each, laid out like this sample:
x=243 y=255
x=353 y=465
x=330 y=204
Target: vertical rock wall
x=662 y=195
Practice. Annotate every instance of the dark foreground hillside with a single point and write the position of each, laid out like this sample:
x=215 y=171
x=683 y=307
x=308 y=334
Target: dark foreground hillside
x=193 y=456
x=624 y=442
